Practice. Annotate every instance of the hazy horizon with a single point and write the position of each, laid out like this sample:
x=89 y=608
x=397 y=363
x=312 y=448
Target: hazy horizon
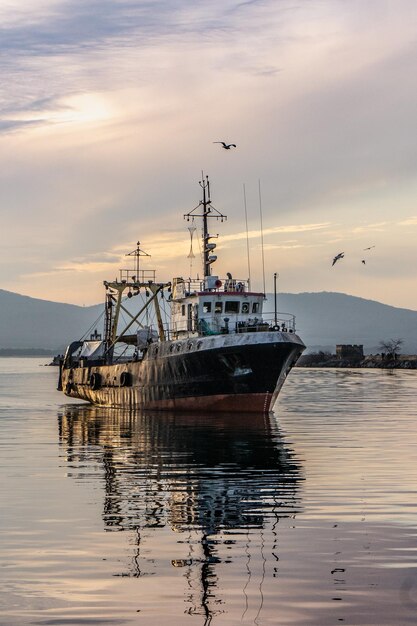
x=269 y=297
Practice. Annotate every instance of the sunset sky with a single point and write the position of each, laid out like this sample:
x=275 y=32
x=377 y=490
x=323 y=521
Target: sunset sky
x=108 y=114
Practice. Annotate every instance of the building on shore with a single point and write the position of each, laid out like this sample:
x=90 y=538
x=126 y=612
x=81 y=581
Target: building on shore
x=349 y=351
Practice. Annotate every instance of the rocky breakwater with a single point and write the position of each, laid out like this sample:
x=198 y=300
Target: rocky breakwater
x=382 y=361
x=402 y=361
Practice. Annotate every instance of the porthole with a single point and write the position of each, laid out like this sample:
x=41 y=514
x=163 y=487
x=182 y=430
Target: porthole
x=125 y=379
x=95 y=381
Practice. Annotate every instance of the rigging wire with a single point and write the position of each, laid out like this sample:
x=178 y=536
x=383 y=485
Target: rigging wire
x=247 y=233
x=191 y=254
x=262 y=234
x=199 y=239
x=92 y=326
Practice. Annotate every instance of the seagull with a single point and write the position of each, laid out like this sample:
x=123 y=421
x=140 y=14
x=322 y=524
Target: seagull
x=225 y=145
x=337 y=257
x=370 y=248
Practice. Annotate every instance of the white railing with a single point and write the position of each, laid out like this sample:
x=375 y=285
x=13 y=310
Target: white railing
x=228 y=324
x=130 y=276
x=226 y=285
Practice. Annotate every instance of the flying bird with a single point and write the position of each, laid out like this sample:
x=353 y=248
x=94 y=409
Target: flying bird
x=225 y=145
x=370 y=248
x=363 y=261
x=337 y=257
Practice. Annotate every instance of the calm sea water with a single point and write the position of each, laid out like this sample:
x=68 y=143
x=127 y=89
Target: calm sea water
x=306 y=517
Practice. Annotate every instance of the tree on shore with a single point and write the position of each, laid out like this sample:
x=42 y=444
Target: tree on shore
x=391 y=347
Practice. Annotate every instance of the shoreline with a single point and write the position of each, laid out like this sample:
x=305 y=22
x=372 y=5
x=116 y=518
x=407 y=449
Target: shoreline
x=407 y=362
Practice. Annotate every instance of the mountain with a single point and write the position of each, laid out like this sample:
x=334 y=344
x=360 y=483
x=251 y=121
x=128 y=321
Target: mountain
x=33 y=323
x=322 y=319
x=326 y=318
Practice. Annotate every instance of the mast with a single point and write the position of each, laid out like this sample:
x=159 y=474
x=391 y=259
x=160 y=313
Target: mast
x=108 y=321
x=131 y=281
x=205 y=209
x=137 y=253
x=275 y=300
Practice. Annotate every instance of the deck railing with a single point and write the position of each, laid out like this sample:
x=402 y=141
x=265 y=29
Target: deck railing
x=225 y=285
x=230 y=324
x=130 y=276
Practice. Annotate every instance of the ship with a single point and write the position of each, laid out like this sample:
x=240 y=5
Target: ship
x=196 y=344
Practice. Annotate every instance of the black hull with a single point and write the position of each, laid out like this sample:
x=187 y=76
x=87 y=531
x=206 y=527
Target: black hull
x=222 y=373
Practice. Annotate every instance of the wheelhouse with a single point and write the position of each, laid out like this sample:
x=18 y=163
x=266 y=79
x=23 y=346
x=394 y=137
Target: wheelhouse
x=214 y=307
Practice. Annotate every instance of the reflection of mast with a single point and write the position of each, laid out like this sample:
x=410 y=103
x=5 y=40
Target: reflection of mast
x=206 y=583
x=112 y=506
x=261 y=601
x=136 y=557
x=207 y=579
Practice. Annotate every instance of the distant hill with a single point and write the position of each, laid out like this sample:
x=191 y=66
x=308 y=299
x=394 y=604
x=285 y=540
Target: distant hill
x=323 y=320
x=326 y=318
x=33 y=323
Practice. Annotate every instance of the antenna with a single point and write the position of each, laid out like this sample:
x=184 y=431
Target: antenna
x=247 y=233
x=137 y=253
x=262 y=233
x=191 y=254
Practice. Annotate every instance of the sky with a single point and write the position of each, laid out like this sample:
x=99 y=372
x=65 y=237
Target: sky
x=108 y=114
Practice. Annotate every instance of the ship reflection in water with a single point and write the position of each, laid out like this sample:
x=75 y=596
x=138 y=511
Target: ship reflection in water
x=211 y=489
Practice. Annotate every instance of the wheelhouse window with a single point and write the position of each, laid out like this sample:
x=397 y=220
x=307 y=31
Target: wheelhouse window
x=206 y=307
x=255 y=307
x=218 y=307
x=245 y=307
x=231 y=306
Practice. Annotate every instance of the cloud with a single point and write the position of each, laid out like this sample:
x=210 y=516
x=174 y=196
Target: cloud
x=7 y=126
x=75 y=26
x=111 y=108
x=72 y=47
x=366 y=228
x=292 y=228
x=284 y=246
x=411 y=221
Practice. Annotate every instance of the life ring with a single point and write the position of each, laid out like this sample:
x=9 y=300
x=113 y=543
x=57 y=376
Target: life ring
x=95 y=381
x=125 y=379
x=275 y=327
